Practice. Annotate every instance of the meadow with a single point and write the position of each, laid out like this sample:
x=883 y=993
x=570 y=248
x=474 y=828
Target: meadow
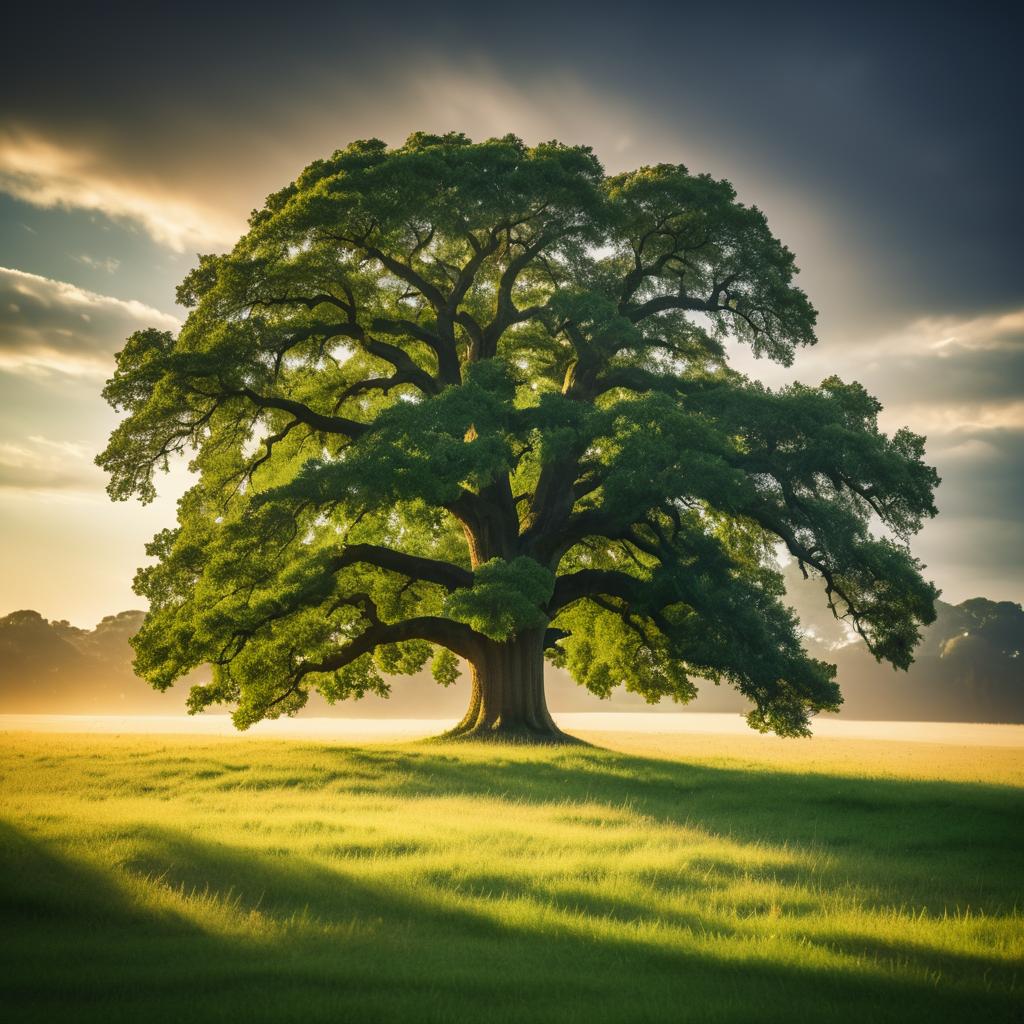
x=706 y=879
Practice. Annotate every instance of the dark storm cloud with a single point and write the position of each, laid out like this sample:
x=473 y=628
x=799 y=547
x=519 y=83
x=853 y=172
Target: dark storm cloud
x=975 y=546
x=962 y=375
x=902 y=118
x=989 y=466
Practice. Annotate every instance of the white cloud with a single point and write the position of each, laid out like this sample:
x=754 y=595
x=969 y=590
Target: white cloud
x=49 y=326
x=962 y=418
x=38 y=464
x=45 y=174
x=997 y=331
x=109 y=264
x=950 y=376
x=940 y=376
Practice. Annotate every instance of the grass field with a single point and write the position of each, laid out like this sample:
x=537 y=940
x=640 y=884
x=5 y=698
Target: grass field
x=163 y=878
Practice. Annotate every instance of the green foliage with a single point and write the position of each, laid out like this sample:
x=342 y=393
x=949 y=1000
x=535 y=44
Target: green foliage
x=445 y=667
x=505 y=598
x=455 y=394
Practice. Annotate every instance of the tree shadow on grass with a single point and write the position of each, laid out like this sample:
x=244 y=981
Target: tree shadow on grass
x=954 y=847
x=77 y=947
x=306 y=940
x=958 y=842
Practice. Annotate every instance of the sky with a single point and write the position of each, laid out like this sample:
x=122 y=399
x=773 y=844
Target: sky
x=884 y=143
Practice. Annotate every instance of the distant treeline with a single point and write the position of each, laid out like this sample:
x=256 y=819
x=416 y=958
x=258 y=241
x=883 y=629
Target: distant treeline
x=969 y=668
x=55 y=667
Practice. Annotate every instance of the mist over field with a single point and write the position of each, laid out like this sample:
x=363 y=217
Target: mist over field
x=968 y=669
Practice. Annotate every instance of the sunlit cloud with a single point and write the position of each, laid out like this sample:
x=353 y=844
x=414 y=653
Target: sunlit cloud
x=1001 y=330
x=946 y=337
x=108 y=264
x=49 y=326
x=39 y=464
x=936 y=375
x=46 y=174
x=952 y=376
x=196 y=194
x=971 y=417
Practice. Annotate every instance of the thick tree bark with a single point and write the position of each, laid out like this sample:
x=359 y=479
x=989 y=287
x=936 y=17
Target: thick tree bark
x=507 y=701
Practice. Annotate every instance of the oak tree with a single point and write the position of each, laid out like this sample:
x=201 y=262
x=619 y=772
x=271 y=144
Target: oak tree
x=461 y=400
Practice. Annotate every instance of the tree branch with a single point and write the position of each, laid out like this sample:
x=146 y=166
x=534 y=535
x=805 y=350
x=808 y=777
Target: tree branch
x=427 y=570
x=662 y=303
x=574 y=586
x=456 y=636
x=325 y=424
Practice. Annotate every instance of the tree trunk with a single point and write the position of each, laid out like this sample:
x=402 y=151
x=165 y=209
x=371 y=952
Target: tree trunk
x=507 y=701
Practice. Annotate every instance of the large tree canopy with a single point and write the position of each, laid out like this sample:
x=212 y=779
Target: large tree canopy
x=458 y=399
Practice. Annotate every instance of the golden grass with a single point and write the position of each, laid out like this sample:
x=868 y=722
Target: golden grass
x=702 y=878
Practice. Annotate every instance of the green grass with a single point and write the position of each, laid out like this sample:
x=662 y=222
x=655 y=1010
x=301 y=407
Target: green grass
x=156 y=878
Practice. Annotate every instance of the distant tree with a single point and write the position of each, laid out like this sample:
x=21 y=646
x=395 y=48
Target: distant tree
x=472 y=400
x=55 y=667
x=980 y=643
x=997 y=625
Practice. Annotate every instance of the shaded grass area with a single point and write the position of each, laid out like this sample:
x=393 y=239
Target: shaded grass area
x=163 y=878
